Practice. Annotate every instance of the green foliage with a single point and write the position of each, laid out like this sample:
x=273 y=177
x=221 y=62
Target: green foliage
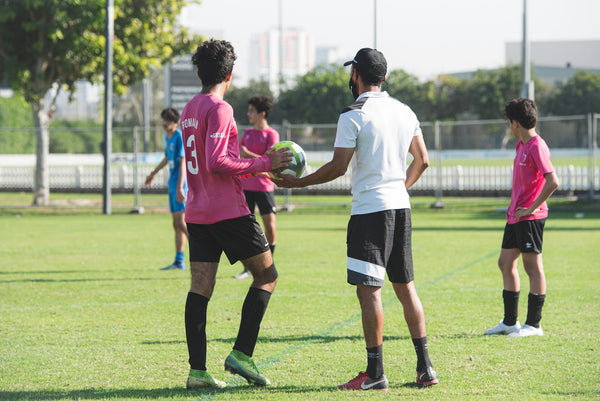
x=319 y=97
x=14 y=114
x=579 y=95
x=61 y=41
x=238 y=99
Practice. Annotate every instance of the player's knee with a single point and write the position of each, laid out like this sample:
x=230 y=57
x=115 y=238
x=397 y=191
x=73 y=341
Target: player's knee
x=267 y=276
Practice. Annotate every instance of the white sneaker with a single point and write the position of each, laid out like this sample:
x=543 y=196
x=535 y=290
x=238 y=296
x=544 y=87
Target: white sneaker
x=503 y=329
x=242 y=275
x=527 y=331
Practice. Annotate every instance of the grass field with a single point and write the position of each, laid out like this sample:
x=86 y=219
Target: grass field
x=85 y=314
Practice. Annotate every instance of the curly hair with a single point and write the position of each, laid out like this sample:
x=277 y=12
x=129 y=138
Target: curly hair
x=214 y=61
x=262 y=103
x=522 y=110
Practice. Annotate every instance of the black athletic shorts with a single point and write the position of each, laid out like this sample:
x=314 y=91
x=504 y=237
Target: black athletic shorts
x=527 y=235
x=240 y=238
x=264 y=200
x=377 y=243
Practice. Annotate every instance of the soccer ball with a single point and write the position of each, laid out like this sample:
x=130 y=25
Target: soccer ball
x=297 y=165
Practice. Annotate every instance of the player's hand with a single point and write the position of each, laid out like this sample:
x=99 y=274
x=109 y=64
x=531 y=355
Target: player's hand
x=522 y=212
x=180 y=195
x=285 y=180
x=149 y=180
x=279 y=158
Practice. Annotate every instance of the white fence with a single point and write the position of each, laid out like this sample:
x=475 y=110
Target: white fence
x=81 y=173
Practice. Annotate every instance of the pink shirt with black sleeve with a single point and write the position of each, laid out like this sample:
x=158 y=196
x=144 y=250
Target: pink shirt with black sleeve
x=532 y=161
x=213 y=161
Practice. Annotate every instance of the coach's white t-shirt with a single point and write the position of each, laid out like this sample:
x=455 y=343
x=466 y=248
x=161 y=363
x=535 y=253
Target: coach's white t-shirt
x=381 y=129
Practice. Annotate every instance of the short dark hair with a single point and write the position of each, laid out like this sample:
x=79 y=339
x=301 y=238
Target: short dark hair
x=262 y=103
x=214 y=61
x=522 y=110
x=170 y=114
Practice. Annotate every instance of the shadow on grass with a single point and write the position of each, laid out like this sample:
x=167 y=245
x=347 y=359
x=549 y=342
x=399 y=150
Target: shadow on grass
x=149 y=394
x=285 y=339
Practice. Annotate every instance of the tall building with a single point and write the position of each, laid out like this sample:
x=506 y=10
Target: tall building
x=273 y=56
x=328 y=55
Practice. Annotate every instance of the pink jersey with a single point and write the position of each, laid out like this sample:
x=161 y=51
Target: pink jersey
x=213 y=161
x=259 y=141
x=532 y=161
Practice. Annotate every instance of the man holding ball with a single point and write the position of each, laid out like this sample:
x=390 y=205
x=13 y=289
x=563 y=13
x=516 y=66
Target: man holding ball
x=376 y=133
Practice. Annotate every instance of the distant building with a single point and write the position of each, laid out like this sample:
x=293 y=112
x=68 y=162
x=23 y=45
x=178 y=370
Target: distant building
x=287 y=56
x=327 y=55
x=553 y=62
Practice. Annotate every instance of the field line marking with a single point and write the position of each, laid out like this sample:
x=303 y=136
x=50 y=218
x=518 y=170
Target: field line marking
x=336 y=326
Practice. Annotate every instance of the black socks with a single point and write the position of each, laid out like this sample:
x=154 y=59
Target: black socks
x=511 y=307
x=534 y=309
x=375 y=362
x=253 y=310
x=195 y=329
x=422 y=351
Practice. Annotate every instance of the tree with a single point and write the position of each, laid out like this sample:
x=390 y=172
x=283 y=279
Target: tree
x=580 y=94
x=47 y=45
x=238 y=99
x=319 y=96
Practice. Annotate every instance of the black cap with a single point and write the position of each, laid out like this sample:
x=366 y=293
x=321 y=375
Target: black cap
x=369 y=61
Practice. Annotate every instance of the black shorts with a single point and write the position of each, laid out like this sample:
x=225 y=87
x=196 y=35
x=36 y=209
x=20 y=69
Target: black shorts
x=240 y=238
x=527 y=235
x=264 y=200
x=377 y=243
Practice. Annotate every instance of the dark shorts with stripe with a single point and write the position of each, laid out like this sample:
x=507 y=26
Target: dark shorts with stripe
x=240 y=238
x=527 y=235
x=377 y=243
x=265 y=201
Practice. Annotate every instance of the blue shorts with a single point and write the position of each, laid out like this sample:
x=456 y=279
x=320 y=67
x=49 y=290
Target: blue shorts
x=175 y=206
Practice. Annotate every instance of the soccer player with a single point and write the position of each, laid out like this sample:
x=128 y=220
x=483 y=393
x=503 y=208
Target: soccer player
x=376 y=133
x=218 y=218
x=174 y=157
x=259 y=190
x=534 y=180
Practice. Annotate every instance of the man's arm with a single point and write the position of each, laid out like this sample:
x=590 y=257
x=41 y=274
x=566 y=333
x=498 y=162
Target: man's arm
x=549 y=187
x=181 y=180
x=155 y=171
x=419 y=164
x=328 y=172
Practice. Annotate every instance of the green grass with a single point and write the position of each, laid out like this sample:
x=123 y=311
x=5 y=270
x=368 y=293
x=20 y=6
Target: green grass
x=85 y=314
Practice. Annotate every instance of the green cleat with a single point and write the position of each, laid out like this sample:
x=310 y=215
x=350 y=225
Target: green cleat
x=241 y=364
x=202 y=379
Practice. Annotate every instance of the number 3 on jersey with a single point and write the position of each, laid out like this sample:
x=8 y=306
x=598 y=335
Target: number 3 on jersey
x=192 y=165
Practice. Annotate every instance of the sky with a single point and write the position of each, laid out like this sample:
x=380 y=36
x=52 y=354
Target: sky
x=424 y=37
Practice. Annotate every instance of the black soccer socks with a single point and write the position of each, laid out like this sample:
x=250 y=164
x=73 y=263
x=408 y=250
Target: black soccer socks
x=511 y=307
x=534 y=309
x=195 y=329
x=253 y=310
x=422 y=351
x=375 y=362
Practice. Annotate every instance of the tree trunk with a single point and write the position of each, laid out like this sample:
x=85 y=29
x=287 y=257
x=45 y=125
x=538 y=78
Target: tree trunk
x=41 y=190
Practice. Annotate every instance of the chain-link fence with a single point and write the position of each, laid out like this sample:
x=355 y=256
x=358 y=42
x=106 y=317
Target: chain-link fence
x=467 y=158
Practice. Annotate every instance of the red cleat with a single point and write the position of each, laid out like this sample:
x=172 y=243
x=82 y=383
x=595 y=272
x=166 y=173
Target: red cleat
x=427 y=377
x=364 y=382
